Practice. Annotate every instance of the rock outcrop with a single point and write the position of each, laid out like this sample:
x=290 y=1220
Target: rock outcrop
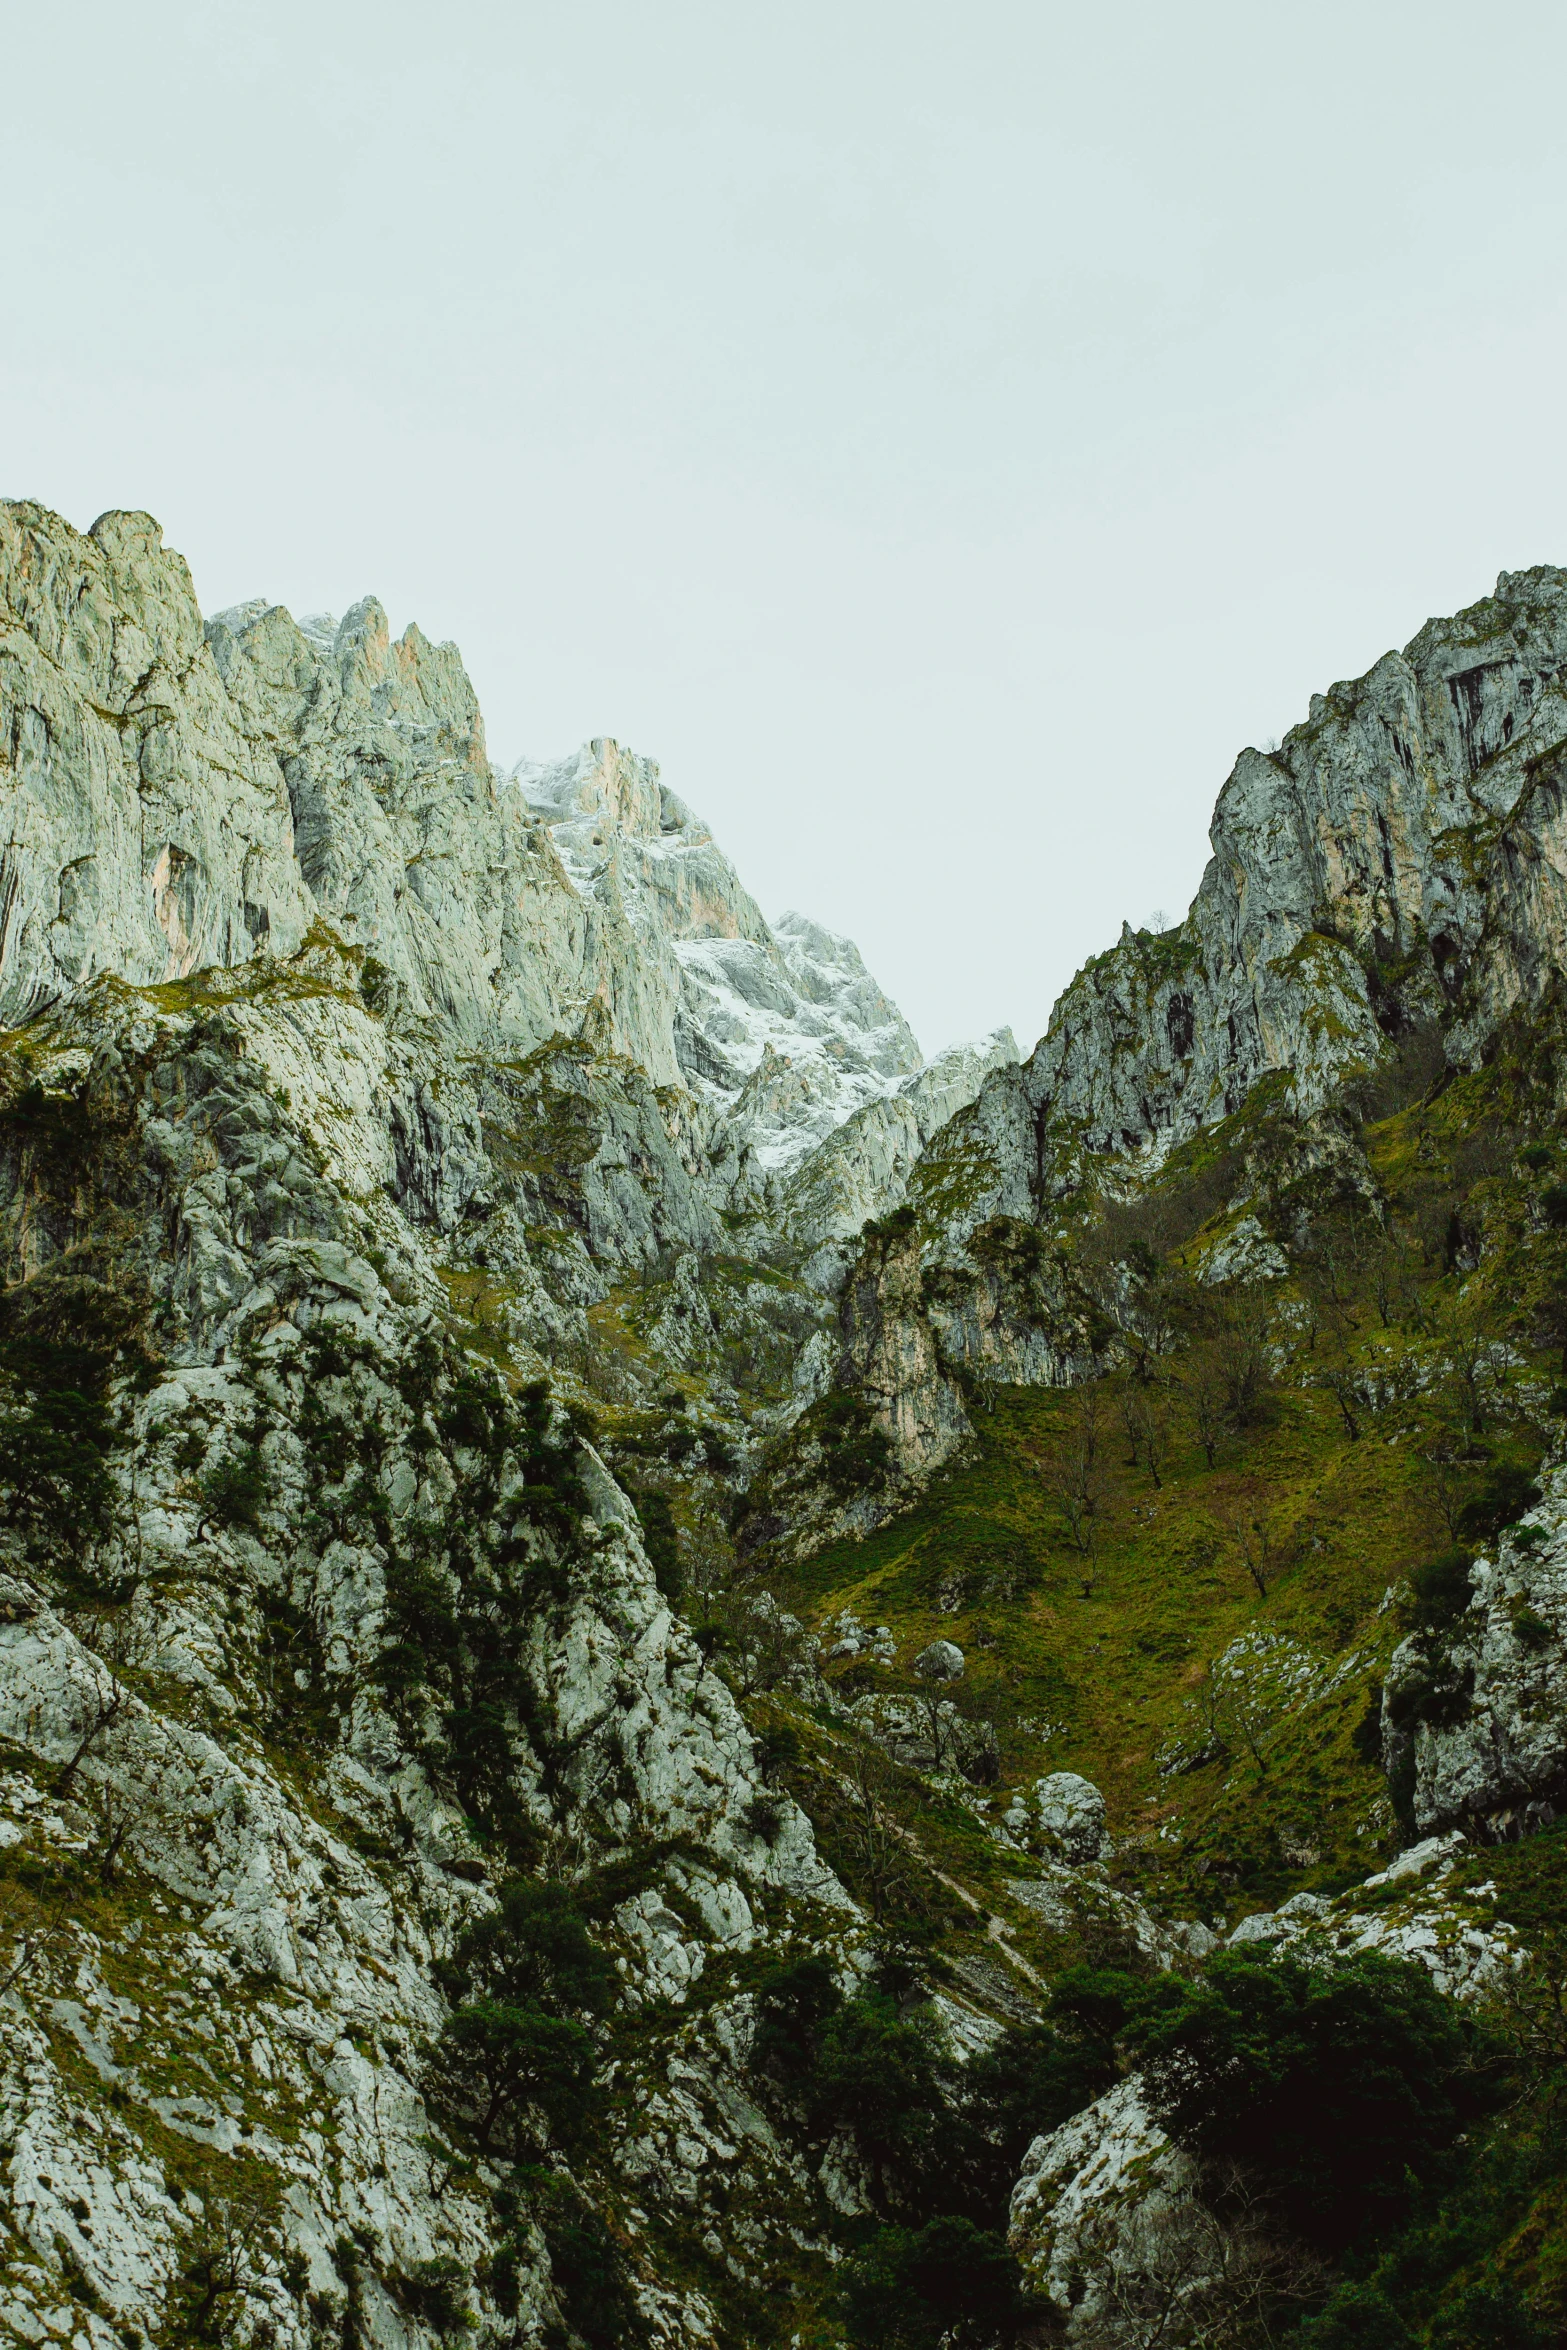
x=184 y=795
x=351 y=1091
x=1396 y=868
x=1475 y=1715
x=1117 y=2226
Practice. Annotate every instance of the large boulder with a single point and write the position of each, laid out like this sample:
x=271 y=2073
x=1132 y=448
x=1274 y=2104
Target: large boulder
x=1103 y=2205
x=1070 y=1815
x=942 y=1661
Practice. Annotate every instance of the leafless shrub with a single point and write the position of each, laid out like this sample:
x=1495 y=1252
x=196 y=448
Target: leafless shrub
x=1208 y=2270
x=1263 y=1553
x=1075 y=1474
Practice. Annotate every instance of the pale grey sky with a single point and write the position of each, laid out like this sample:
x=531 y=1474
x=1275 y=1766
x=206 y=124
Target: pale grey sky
x=941 y=435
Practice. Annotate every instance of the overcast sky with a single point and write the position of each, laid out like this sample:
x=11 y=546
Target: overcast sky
x=941 y=435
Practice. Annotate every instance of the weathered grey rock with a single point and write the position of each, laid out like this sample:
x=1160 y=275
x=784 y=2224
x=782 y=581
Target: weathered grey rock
x=1474 y=1720
x=1399 y=861
x=1100 y=2203
x=941 y=1661
x=144 y=830
x=861 y=1168
x=1070 y=1812
x=289 y=1921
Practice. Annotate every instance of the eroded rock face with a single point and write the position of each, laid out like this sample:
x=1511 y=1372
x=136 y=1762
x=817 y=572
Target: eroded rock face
x=1398 y=863
x=146 y=831
x=184 y=796
x=226 y=1687
x=1474 y=1719
x=1070 y=1812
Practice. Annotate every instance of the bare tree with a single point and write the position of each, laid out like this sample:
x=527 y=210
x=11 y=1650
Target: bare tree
x=1075 y=1473
x=31 y=1934
x=1445 y=1476
x=1155 y=1434
x=1202 y=1384
x=874 y=1836
x=1208 y=2269
x=1262 y=1553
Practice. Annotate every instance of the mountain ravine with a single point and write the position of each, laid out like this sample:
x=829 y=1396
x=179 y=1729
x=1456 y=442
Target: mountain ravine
x=669 y=1677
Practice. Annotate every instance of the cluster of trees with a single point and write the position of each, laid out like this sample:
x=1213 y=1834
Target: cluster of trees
x=937 y=2144
x=1332 y=2110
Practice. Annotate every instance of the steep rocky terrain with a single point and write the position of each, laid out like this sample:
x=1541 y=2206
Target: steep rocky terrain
x=658 y=1667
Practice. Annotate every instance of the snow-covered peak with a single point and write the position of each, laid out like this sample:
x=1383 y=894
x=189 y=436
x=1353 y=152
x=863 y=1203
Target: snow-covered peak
x=779 y=1027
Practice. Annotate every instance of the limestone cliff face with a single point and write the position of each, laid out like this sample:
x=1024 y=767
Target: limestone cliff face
x=179 y=796
x=1399 y=862
x=321 y=1628
x=1353 y=887
x=357 y=1103
x=1472 y=1716
x=146 y=831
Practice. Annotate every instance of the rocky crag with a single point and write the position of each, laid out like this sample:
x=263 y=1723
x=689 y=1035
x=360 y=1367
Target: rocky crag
x=352 y=1086
x=638 y=1636
x=1394 y=873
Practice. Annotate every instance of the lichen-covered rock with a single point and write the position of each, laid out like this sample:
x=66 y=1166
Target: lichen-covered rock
x=1070 y=1815
x=342 y=1621
x=146 y=831
x=1474 y=1717
x=1418 y=1907
x=1099 y=2201
x=941 y=1661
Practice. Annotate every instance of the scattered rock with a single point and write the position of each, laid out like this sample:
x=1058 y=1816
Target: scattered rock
x=1069 y=1815
x=942 y=1661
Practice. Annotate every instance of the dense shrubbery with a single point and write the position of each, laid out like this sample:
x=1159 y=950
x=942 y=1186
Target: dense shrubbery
x=1337 y=2101
x=940 y=2143
x=1334 y=2088
x=462 y=1591
x=515 y=2061
x=64 y=1339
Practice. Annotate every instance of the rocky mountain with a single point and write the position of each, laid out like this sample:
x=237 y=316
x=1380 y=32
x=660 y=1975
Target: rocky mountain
x=661 y=1669
x=1393 y=874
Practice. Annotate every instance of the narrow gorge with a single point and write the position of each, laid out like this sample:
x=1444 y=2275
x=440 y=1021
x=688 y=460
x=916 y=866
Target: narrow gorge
x=671 y=1677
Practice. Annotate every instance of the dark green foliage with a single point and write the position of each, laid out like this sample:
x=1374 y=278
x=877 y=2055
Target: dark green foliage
x=1480 y=2267
x=1441 y=1589
x=590 y=2277
x=793 y=2002
x=1031 y=2080
x=871 y=2065
x=764 y=1818
x=661 y=1541
x=64 y=1339
x=234 y=1489
x=878 y=2075
x=1359 y=2317
x=856 y=1454
x=505 y=2072
x=947 y=2283
x=463 y=1592
x=1553 y=1205
x=1366 y=1738
x=777 y=1749
x=534 y=1946
x=1508 y=1491
x=1335 y=2088
x=513 y=2059
x=433 y=2290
